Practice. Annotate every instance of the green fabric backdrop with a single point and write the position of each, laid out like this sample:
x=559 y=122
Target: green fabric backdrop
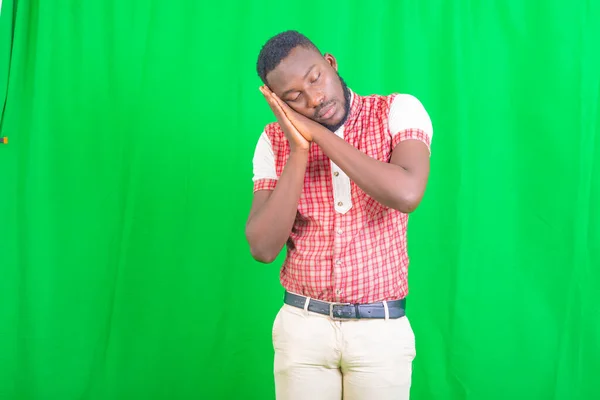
x=124 y=189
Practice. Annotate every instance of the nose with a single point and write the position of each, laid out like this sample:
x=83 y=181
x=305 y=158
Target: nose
x=315 y=99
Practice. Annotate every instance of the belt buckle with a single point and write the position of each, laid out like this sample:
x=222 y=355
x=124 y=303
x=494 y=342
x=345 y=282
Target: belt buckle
x=331 y=305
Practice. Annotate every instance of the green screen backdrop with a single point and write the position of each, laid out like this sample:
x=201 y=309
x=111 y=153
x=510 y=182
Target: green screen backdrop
x=125 y=186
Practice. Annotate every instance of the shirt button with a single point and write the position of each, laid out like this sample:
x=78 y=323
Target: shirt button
x=338 y=291
x=338 y=261
x=340 y=203
x=336 y=173
x=339 y=231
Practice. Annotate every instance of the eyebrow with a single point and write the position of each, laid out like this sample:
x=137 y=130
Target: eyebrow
x=305 y=75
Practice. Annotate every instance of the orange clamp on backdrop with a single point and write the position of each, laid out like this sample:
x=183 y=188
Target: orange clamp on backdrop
x=4 y=140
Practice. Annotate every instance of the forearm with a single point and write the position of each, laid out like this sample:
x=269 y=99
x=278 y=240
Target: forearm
x=269 y=227
x=389 y=184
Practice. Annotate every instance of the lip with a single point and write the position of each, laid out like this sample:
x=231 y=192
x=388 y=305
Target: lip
x=329 y=112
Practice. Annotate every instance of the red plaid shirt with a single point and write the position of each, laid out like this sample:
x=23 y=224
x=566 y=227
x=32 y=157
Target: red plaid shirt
x=344 y=245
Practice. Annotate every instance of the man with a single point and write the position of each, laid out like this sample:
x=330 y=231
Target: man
x=334 y=180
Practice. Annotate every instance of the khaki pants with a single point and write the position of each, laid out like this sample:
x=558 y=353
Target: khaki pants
x=317 y=358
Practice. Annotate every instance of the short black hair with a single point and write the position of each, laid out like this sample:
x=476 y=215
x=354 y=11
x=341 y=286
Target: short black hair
x=277 y=48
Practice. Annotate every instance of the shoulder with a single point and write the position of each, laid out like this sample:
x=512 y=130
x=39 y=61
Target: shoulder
x=408 y=112
x=391 y=104
x=405 y=102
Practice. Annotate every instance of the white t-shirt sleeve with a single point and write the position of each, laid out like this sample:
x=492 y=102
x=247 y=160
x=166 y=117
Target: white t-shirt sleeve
x=263 y=162
x=408 y=119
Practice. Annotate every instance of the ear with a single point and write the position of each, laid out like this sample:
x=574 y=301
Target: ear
x=331 y=60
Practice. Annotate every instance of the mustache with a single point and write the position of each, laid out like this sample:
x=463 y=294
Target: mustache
x=320 y=108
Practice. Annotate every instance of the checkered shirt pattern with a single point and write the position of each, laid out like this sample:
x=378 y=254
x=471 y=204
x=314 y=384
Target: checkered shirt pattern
x=359 y=256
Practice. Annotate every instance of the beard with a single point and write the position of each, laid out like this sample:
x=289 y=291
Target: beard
x=347 y=105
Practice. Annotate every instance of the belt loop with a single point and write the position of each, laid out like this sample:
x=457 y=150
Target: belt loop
x=387 y=311
x=306 y=302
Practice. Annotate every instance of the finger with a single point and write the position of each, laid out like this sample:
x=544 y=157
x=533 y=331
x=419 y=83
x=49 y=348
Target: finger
x=276 y=104
x=282 y=104
x=265 y=92
x=265 y=95
x=281 y=116
x=265 y=89
x=268 y=97
x=276 y=98
x=276 y=109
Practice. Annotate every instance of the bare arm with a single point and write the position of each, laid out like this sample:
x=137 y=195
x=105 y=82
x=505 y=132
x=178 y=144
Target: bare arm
x=273 y=212
x=399 y=184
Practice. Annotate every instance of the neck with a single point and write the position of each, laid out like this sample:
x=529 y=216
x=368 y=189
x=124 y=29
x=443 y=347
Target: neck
x=347 y=106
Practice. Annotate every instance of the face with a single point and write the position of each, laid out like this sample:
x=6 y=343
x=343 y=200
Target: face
x=309 y=84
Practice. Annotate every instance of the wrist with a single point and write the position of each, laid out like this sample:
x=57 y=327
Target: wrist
x=317 y=134
x=299 y=152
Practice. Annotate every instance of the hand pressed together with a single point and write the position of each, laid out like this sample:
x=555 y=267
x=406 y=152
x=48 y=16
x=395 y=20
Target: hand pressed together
x=295 y=138
x=291 y=119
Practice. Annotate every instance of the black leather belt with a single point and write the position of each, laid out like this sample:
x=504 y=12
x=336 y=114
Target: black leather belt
x=340 y=311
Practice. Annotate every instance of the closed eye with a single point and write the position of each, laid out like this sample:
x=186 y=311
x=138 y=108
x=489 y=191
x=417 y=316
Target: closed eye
x=294 y=98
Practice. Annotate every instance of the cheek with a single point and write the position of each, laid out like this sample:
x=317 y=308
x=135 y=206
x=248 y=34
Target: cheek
x=332 y=87
x=301 y=109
